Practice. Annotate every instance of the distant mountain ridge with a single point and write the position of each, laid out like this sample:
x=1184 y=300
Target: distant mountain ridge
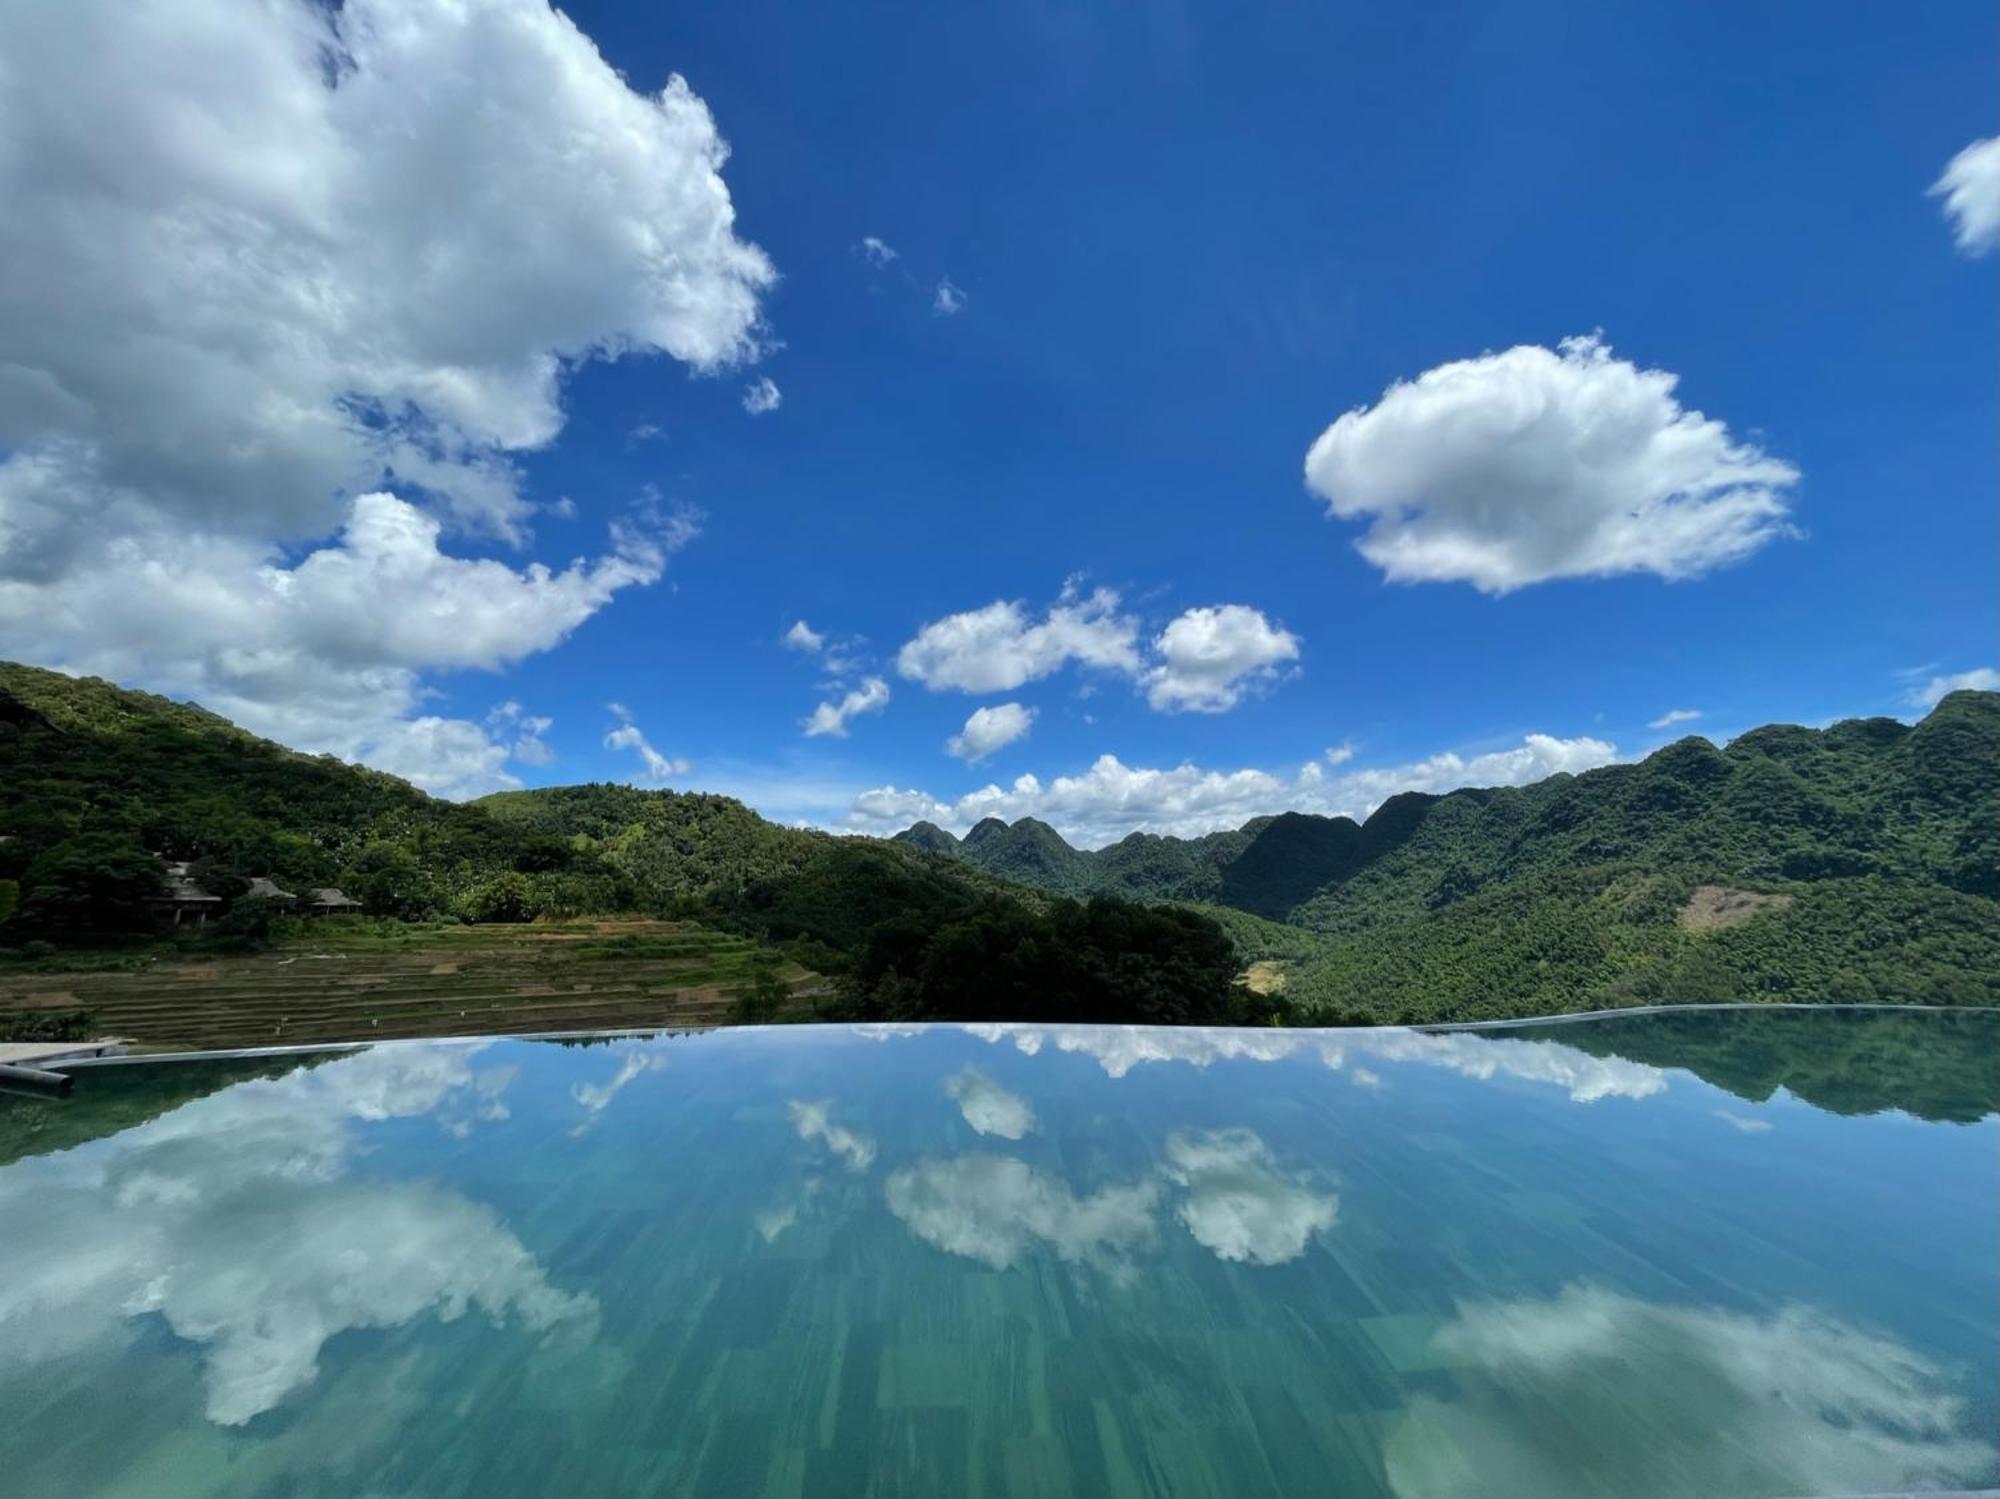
x=1780 y=779
x=1268 y=867
x=1860 y=861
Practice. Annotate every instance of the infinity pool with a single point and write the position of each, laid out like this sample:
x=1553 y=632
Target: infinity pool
x=1708 y=1254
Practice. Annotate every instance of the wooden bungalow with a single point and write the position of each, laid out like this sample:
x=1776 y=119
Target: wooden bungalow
x=262 y=888
x=187 y=902
x=331 y=902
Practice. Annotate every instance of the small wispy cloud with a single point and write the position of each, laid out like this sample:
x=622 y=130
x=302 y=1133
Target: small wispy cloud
x=1742 y=1124
x=1673 y=716
x=949 y=299
x=1933 y=692
x=872 y=696
x=1970 y=188
x=762 y=395
x=626 y=735
x=803 y=637
x=876 y=251
x=527 y=729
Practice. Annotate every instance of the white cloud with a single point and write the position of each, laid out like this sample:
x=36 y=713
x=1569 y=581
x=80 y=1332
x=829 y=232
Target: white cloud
x=1585 y=1078
x=774 y=1222
x=876 y=251
x=814 y=1121
x=803 y=637
x=531 y=748
x=1112 y=799
x=635 y=1062
x=1208 y=658
x=762 y=395
x=989 y=1108
x=236 y=1220
x=872 y=696
x=999 y=648
x=1979 y=679
x=1238 y=1205
x=327 y=654
x=627 y=736
x=1119 y=1048
x=989 y=729
x=1970 y=188
x=255 y=256
x=1673 y=716
x=644 y=432
x=1791 y=1403
x=527 y=729
x=993 y=1209
x=1532 y=464
x=948 y=300
x=1744 y=1124
x=1205 y=660
x=261 y=260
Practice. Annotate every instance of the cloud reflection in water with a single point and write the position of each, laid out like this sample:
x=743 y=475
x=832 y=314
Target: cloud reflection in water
x=235 y=1220
x=1562 y=1398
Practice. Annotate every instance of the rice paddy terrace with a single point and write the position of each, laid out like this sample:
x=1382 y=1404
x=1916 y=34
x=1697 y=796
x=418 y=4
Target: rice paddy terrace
x=368 y=981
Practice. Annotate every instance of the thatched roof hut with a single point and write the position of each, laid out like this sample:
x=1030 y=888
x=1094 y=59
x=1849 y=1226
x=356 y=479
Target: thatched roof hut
x=184 y=898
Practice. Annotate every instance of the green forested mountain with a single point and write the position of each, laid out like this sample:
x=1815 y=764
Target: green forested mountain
x=1029 y=853
x=94 y=780
x=98 y=785
x=1858 y=862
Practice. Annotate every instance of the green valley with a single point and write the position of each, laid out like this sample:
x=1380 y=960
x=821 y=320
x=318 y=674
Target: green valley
x=1851 y=863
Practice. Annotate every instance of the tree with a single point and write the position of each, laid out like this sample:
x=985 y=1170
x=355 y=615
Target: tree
x=92 y=886
x=504 y=898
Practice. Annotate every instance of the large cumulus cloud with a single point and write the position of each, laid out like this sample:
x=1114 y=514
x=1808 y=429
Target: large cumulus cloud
x=263 y=258
x=1534 y=464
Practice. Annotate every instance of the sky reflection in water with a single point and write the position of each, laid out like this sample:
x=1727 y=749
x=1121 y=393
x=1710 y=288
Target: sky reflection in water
x=1703 y=1255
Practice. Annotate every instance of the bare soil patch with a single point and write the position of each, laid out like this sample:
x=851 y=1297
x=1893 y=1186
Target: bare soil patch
x=1713 y=907
x=1264 y=977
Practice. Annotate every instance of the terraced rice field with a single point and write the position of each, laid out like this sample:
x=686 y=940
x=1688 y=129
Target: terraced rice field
x=366 y=981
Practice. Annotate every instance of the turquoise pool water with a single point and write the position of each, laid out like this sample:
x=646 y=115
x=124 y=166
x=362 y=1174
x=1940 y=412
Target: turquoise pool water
x=1709 y=1254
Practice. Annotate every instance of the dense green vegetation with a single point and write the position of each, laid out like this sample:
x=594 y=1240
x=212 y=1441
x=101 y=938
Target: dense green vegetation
x=95 y=780
x=1881 y=841
x=1852 y=863
x=911 y=942
x=97 y=784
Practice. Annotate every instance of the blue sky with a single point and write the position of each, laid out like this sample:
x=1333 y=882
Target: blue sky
x=1180 y=241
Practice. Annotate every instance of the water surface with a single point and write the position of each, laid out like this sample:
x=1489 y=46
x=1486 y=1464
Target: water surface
x=1706 y=1254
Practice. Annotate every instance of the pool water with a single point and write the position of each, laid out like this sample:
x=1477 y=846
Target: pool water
x=1707 y=1254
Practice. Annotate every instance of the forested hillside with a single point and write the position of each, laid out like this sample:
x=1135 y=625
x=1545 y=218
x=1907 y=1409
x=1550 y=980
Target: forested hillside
x=95 y=780
x=1856 y=862
x=98 y=785
x=1859 y=862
